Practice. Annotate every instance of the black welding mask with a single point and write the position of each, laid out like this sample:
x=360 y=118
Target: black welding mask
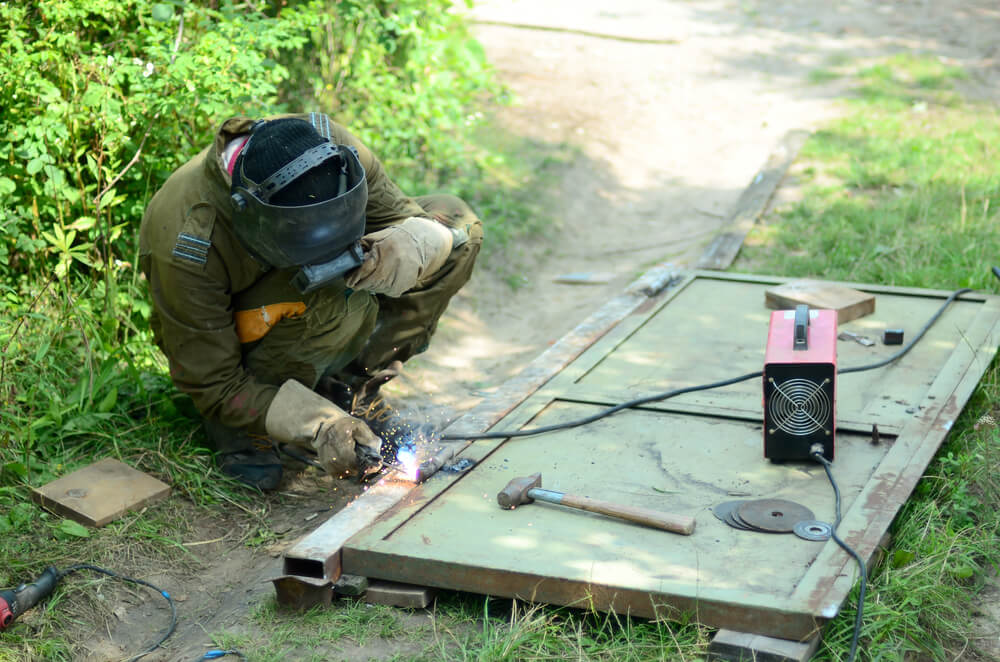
x=299 y=201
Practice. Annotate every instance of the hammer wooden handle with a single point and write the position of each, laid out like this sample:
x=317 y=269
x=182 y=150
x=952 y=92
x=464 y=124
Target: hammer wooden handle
x=666 y=521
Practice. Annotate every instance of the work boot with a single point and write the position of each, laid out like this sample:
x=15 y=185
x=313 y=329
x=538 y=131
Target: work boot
x=253 y=462
x=256 y=468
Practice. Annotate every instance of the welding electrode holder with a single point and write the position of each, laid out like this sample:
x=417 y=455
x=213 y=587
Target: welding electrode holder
x=15 y=602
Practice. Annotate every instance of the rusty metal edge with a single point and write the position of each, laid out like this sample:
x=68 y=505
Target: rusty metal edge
x=761 y=618
x=318 y=552
x=887 y=490
x=863 y=287
x=302 y=592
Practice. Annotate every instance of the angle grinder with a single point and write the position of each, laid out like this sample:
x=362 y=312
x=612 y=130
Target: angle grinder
x=15 y=602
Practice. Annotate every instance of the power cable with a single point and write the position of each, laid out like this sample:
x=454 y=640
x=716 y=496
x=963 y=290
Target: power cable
x=217 y=653
x=666 y=395
x=170 y=601
x=818 y=456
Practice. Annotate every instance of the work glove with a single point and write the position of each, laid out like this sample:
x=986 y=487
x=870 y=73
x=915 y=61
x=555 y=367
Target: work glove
x=400 y=256
x=344 y=444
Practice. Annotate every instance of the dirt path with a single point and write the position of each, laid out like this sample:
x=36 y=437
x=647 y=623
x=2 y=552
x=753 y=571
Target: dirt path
x=674 y=107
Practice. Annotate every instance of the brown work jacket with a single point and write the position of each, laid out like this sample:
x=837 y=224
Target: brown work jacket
x=212 y=301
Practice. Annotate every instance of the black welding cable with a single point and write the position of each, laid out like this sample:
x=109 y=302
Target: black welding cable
x=295 y=455
x=818 y=456
x=666 y=395
x=913 y=341
x=601 y=414
x=131 y=580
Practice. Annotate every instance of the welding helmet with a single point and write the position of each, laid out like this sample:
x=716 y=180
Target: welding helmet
x=299 y=201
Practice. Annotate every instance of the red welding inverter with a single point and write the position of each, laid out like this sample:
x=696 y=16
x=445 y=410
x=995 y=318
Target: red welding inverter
x=800 y=377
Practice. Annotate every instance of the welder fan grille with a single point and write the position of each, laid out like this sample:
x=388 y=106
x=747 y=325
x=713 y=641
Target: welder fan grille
x=799 y=407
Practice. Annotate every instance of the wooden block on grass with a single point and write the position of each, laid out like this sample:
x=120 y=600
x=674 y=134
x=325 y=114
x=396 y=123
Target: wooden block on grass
x=849 y=303
x=735 y=646
x=100 y=492
x=395 y=594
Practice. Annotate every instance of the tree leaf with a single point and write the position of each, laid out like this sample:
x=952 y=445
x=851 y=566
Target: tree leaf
x=162 y=12
x=83 y=223
x=16 y=468
x=108 y=401
x=71 y=528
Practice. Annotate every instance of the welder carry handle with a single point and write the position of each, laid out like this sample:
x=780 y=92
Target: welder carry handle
x=800 y=340
x=658 y=520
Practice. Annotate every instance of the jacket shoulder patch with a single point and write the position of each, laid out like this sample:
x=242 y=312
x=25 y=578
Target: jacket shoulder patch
x=195 y=238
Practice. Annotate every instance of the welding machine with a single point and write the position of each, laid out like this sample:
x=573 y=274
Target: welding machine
x=800 y=376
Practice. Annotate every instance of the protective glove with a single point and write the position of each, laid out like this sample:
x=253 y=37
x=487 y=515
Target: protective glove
x=344 y=444
x=398 y=257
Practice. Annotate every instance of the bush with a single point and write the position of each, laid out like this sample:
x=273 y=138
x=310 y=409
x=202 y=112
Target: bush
x=405 y=76
x=102 y=99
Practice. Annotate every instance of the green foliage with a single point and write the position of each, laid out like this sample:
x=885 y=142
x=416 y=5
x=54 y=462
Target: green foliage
x=404 y=75
x=102 y=99
x=896 y=195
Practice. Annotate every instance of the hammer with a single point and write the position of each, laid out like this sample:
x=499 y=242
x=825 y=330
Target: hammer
x=527 y=489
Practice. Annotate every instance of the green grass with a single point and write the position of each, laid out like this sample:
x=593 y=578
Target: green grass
x=465 y=628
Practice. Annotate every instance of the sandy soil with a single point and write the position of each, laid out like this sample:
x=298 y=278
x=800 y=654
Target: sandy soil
x=674 y=107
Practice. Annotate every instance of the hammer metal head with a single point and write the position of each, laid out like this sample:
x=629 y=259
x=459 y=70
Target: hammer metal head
x=516 y=491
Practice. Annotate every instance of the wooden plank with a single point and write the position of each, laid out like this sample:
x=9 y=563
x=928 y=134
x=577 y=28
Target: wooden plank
x=745 y=647
x=849 y=303
x=100 y=492
x=752 y=203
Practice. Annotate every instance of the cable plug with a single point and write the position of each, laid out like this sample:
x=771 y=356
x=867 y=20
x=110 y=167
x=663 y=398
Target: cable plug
x=816 y=451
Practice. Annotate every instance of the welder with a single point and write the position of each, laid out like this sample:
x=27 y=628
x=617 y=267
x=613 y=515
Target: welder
x=290 y=279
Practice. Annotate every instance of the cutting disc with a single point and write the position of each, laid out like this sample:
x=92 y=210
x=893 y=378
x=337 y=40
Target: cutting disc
x=725 y=512
x=809 y=529
x=775 y=515
x=734 y=517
